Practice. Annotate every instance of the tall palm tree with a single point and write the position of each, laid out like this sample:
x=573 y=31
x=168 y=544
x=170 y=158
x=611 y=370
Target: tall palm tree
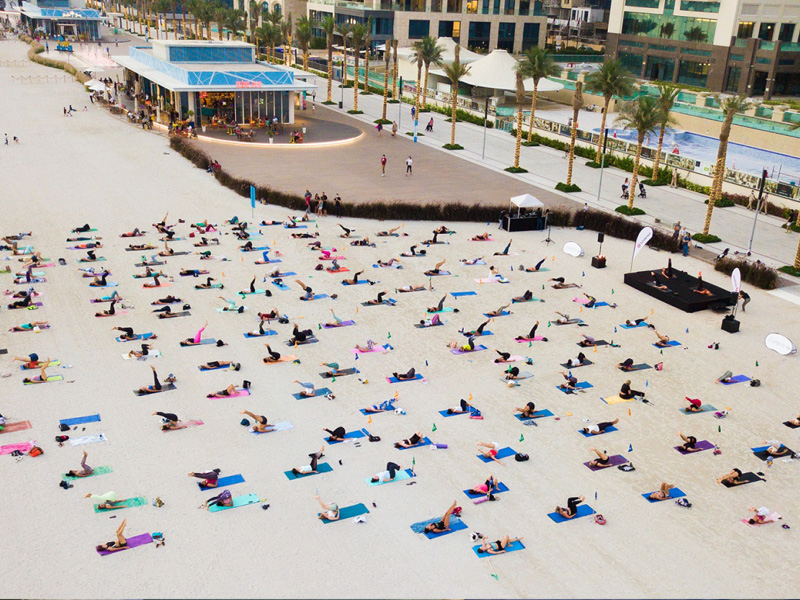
x=386 y=52
x=357 y=34
x=416 y=57
x=328 y=25
x=394 y=71
x=343 y=29
x=220 y=11
x=455 y=72
x=367 y=47
x=263 y=36
x=577 y=103
x=235 y=21
x=253 y=10
x=538 y=64
x=612 y=79
x=519 y=71
x=431 y=54
x=286 y=34
x=642 y=115
x=303 y=34
x=730 y=107
x=668 y=94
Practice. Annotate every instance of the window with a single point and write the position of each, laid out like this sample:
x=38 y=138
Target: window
x=479 y=34
x=509 y=7
x=524 y=7
x=668 y=26
x=787 y=32
x=660 y=69
x=737 y=57
x=451 y=29
x=496 y=7
x=693 y=73
x=734 y=76
x=454 y=6
x=485 y=8
x=766 y=31
x=505 y=36
x=436 y=6
x=661 y=48
x=632 y=62
x=764 y=61
x=643 y=3
x=696 y=52
x=745 y=29
x=700 y=6
x=418 y=29
x=530 y=35
x=472 y=7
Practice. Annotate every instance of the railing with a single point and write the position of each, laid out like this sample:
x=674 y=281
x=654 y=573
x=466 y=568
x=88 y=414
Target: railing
x=766 y=45
x=578 y=58
x=740 y=42
x=785 y=47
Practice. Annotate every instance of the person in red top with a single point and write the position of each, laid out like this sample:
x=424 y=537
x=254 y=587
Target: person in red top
x=383 y=166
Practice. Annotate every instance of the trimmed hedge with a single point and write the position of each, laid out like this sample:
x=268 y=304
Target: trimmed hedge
x=37 y=48
x=516 y=170
x=790 y=270
x=706 y=238
x=755 y=273
x=563 y=187
x=631 y=212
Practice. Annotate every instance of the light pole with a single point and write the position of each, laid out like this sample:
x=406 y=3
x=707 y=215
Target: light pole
x=400 y=105
x=758 y=208
x=602 y=163
x=485 y=123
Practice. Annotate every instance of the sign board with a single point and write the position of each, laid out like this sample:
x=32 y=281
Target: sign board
x=780 y=344
x=573 y=249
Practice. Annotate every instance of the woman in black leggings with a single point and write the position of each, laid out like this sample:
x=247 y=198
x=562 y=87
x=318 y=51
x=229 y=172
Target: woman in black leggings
x=337 y=435
x=572 y=506
x=411 y=374
x=378 y=300
x=127 y=333
x=210 y=477
x=626 y=393
x=152 y=389
x=273 y=356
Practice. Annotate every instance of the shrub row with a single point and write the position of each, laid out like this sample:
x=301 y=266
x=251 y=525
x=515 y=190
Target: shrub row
x=37 y=48
x=755 y=273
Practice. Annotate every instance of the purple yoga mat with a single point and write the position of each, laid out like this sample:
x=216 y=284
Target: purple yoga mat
x=613 y=461
x=702 y=445
x=343 y=324
x=133 y=542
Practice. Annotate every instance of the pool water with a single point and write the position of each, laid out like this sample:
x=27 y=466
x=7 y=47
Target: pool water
x=746 y=159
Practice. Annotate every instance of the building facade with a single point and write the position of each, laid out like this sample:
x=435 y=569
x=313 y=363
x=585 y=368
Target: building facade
x=55 y=18
x=749 y=47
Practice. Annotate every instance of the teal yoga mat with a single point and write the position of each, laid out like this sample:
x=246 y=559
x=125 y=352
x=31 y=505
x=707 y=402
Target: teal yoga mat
x=349 y=512
x=512 y=547
x=321 y=468
x=237 y=502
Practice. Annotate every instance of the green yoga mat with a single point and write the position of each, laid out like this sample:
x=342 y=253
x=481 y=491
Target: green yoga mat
x=51 y=378
x=347 y=512
x=237 y=502
x=97 y=471
x=129 y=503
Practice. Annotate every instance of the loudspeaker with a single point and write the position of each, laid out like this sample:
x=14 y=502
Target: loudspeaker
x=601 y=237
x=730 y=325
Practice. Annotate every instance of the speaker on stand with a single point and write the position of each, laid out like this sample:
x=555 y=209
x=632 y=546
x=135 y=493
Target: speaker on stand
x=599 y=261
x=548 y=240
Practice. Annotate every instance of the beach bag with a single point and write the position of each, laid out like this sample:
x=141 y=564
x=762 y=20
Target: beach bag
x=659 y=366
x=374 y=438
x=35 y=451
x=755 y=383
x=62 y=438
x=63 y=427
x=520 y=457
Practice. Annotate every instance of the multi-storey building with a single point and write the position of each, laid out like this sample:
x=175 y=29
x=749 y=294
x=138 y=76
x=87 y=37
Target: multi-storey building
x=749 y=47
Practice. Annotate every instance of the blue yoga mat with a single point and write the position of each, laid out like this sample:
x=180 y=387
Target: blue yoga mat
x=512 y=547
x=501 y=487
x=356 y=283
x=289 y=274
x=460 y=294
x=321 y=468
x=736 y=379
x=502 y=314
x=502 y=453
x=455 y=525
x=363 y=411
x=538 y=414
x=223 y=481
x=396 y=380
x=140 y=336
x=237 y=502
x=609 y=429
x=673 y=493
x=79 y=420
x=268 y=332
x=445 y=414
x=599 y=304
x=360 y=433
x=669 y=344
x=703 y=409
x=642 y=324
x=280 y=286
x=425 y=442
x=317 y=393
x=583 y=510
x=296 y=227
x=349 y=512
x=316 y=297
x=581 y=385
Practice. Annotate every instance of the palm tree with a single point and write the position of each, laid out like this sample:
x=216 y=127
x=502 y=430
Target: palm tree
x=357 y=34
x=519 y=71
x=286 y=34
x=431 y=54
x=538 y=64
x=328 y=25
x=668 y=94
x=642 y=115
x=303 y=34
x=730 y=107
x=577 y=103
x=612 y=79
x=455 y=72
x=386 y=52
x=253 y=9
x=235 y=21
x=416 y=57
x=394 y=72
x=220 y=11
x=263 y=36
x=367 y=47
x=343 y=29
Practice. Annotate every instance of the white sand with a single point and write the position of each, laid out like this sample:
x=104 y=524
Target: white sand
x=93 y=168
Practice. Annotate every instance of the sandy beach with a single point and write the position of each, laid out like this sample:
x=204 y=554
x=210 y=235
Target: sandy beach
x=92 y=168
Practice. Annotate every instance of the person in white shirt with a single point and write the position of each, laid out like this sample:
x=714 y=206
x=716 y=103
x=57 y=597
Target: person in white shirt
x=388 y=475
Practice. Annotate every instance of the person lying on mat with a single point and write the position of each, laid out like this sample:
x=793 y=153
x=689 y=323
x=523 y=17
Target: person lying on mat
x=108 y=501
x=600 y=427
x=526 y=297
x=663 y=492
x=443 y=229
x=695 y=405
x=638 y=322
x=171 y=420
x=410 y=442
x=107 y=313
x=385 y=406
x=527 y=411
x=572 y=507
x=602 y=460
x=337 y=322
x=120 y=543
x=223 y=499
x=498 y=312
x=486 y=488
x=626 y=365
x=576 y=362
x=309 y=293
x=221 y=364
x=410 y=288
x=505 y=250
x=167 y=251
x=498 y=547
x=587 y=341
x=732 y=478
x=468 y=347
x=30 y=326
x=140 y=247
x=489 y=450
x=663 y=340
x=570 y=381
x=262 y=425
x=26 y=301
x=725 y=377
x=472 y=261
x=689 y=443
x=367 y=348
x=148 y=272
x=463 y=407
x=563 y=318
x=204 y=242
x=195 y=341
x=85 y=469
x=209 y=478
x=387 y=475
x=776 y=448
x=102 y=281
x=304 y=236
x=388 y=233
x=333 y=366
x=795 y=421
x=41 y=377
x=512 y=373
x=591 y=300
x=560 y=283
x=167 y=300
x=701 y=289
x=364 y=242
x=145 y=351
x=656 y=283
x=759 y=515
x=154 y=284
x=626 y=393
x=534 y=268
x=388 y=263
x=410 y=374
x=306 y=391
x=193 y=272
x=337 y=435
x=273 y=356
x=504 y=357
x=444 y=524
x=228 y=391
x=29 y=362
x=436 y=269
x=354 y=280
x=531 y=334
x=434 y=240
x=300 y=336
x=330 y=511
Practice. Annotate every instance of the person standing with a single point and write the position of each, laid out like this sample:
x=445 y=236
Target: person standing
x=686 y=241
x=383 y=166
x=674 y=182
x=745 y=298
x=308 y=202
x=6 y=139
x=338 y=204
x=429 y=128
x=676 y=230
x=394 y=128
x=408 y=166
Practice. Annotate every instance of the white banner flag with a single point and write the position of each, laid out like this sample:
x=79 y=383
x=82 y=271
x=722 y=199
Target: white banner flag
x=641 y=241
x=736 y=280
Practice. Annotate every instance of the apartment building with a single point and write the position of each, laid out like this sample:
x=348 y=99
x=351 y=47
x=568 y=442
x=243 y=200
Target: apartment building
x=749 y=47
x=577 y=20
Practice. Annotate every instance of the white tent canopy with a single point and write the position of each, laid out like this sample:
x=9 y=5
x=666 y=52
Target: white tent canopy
x=448 y=56
x=496 y=71
x=526 y=201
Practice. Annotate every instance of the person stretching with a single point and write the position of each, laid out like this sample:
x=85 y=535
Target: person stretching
x=120 y=543
x=626 y=393
x=410 y=374
x=414 y=440
x=436 y=269
x=388 y=475
x=505 y=357
x=171 y=421
x=224 y=499
x=41 y=377
x=526 y=297
x=108 y=501
x=444 y=524
x=663 y=492
x=463 y=407
x=209 y=478
x=505 y=250
x=354 y=280
x=533 y=269
x=695 y=405
x=309 y=293
x=273 y=356
x=572 y=507
x=262 y=425
x=308 y=390
x=576 y=362
x=626 y=365
x=85 y=469
x=486 y=488
x=570 y=381
x=531 y=335
x=337 y=435
x=498 y=547
x=602 y=460
x=107 y=313
x=528 y=411
x=195 y=341
x=663 y=340
x=330 y=511
x=413 y=252
x=152 y=389
x=385 y=406
x=732 y=478
x=300 y=336
x=689 y=442
x=600 y=427
x=499 y=312
x=490 y=451
x=638 y=322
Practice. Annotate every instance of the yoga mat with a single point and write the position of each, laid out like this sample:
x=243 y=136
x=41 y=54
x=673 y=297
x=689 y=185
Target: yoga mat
x=321 y=468
x=189 y=423
x=128 y=503
x=581 y=385
x=214 y=368
x=115 y=284
x=384 y=348
x=317 y=394
x=282 y=359
x=399 y=476
x=456 y=524
x=673 y=493
x=791 y=425
x=281 y=275
x=356 y=283
x=424 y=442
x=596 y=343
x=152 y=354
x=439 y=274
x=639 y=367
x=35 y=280
x=749 y=477
x=582 y=510
x=387 y=267
x=50 y=378
x=669 y=344
x=232 y=310
x=492 y=280
x=164 y=388
x=446 y=309
x=80 y=420
x=222 y=482
x=522 y=375
x=539 y=414
x=501 y=487
x=512 y=547
x=504 y=313
x=613 y=461
x=249 y=293
x=282 y=426
x=444 y=413
x=97 y=471
x=348 y=512
x=350 y=435
x=21 y=446
x=609 y=429
x=537 y=338
x=703 y=409
x=417 y=377
x=737 y=379
x=88 y=439
x=340 y=373
x=18 y=426
x=570 y=322
x=458 y=351
x=339 y=270
x=342 y=324
x=476 y=334
x=238 y=394
x=421 y=326
x=600 y=304
x=296 y=227
x=316 y=297
x=387 y=302
x=26 y=307
x=585 y=363
x=364 y=412
x=309 y=340
x=133 y=542
x=139 y=336
x=460 y=294
x=102 y=258
x=280 y=286
x=502 y=453
x=642 y=324
x=237 y=502
x=267 y=333
x=512 y=358
x=772 y=517
x=762 y=453
x=700 y=446
x=202 y=342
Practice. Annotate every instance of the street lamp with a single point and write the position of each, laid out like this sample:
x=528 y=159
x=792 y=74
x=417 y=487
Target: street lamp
x=758 y=208
x=602 y=163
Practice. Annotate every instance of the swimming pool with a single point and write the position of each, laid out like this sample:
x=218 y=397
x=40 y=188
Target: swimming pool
x=746 y=159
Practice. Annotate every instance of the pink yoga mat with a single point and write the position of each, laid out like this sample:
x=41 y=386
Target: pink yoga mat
x=581 y=300
x=236 y=395
x=18 y=426
x=22 y=447
x=133 y=542
x=375 y=349
x=537 y=338
x=701 y=445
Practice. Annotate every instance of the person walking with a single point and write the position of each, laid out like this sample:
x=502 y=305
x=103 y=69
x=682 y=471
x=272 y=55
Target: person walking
x=379 y=127
x=687 y=239
x=383 y=166
x=429 y=128
x=408 y=166
x=674 y=182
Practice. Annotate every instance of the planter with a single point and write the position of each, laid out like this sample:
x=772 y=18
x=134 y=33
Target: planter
x=599 y=262
x=204 y=128
x=271 y=140
x=304 y=130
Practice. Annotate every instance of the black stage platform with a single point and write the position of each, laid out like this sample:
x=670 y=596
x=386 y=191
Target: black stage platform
x=681 y=293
